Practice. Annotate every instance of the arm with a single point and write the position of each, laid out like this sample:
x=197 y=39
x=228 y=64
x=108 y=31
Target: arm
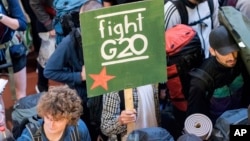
x=110 y=115
x=39 y=10
x=57 y=67
x=16 y=20
x=25 y=136
x=171 y=14
x=197 y=100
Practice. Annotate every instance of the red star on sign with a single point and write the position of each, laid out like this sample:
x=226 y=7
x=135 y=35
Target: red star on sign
x=101 y=79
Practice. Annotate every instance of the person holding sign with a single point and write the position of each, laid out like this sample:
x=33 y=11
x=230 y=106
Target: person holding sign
x=229 y=88
x=66 y=65
x=145 y=114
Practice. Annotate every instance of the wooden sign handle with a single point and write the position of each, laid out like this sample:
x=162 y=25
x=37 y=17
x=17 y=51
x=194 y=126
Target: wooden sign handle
x=129 y=105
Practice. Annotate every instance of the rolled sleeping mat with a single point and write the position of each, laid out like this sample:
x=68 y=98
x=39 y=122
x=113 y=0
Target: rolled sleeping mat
x=199 y=125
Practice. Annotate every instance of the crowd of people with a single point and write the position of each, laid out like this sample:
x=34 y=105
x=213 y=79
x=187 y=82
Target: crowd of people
x=60 y=58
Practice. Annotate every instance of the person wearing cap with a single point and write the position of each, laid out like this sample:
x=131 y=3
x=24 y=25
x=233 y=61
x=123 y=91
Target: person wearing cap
x=230 y=79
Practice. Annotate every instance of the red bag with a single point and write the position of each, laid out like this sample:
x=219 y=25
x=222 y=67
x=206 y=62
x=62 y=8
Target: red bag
x=184 y=52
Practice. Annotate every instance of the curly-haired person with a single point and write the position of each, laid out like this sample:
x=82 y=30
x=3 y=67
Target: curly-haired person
x=60 y=109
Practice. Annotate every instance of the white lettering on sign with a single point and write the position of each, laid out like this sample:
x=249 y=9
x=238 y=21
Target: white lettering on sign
x=109 y=47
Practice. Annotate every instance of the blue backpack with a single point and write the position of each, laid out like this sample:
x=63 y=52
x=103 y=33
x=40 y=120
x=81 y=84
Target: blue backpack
x=66 y=10
x=150 y=134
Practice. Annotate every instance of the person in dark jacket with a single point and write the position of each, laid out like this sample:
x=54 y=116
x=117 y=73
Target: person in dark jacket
x=230 y=79
x=45 y=13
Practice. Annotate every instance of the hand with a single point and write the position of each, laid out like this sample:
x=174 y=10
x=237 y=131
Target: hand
x=127 y=116
x=52 y=33
x=83 y=73
x=162 y=94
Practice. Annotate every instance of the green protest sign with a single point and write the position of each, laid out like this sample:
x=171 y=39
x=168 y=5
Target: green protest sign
x=123 y=46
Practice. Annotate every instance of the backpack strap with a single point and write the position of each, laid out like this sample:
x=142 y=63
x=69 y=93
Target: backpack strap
x=78 y=44
x=211 y=8
x=180 y=6
x=5 y=5
x=206 y=78
x=34 y=128
x=75 y=134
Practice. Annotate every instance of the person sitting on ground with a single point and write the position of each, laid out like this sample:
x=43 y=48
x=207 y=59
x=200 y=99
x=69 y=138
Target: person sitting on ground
x=60 y=109
x=230 y=87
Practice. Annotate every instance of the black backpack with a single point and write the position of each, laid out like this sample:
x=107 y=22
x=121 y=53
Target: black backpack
x=24 y=112
x=184 y=52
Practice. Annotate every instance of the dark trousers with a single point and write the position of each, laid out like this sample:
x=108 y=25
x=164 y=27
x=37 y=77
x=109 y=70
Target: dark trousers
x=43 y=82
x=35 y=37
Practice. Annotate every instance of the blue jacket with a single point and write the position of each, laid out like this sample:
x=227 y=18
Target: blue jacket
x=15 y=12
x=65 y=65
x=82 y=130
